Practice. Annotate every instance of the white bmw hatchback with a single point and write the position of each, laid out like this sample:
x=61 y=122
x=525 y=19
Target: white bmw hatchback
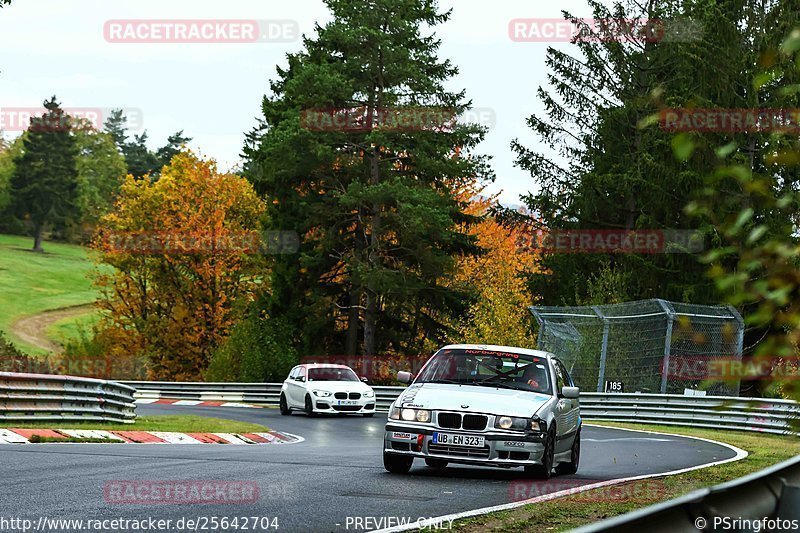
x=324 y=388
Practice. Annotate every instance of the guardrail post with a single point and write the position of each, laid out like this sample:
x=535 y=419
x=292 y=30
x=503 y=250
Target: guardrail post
x=601 y=374
x=668 y=311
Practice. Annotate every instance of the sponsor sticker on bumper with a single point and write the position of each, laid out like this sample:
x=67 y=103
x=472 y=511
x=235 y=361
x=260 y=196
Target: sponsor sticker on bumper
x=403 y=436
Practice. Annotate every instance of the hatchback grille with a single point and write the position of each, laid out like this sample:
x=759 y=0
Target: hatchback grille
x=458 y=451
x=449 y=420
x=475 y=422
x=340 y=395
x=347 y=407
x=355 y=395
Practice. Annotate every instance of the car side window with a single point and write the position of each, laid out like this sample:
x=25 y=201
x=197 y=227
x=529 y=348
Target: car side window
x=567 y=377
x=559 y=376
x=293 y=373
x=301 y=373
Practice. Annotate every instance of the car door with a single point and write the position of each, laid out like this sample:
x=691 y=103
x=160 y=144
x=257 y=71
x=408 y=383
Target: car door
x=296 y=387
x=568 y=409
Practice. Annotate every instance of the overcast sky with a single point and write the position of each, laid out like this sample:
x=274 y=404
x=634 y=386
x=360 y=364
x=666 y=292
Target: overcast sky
x=213 y=91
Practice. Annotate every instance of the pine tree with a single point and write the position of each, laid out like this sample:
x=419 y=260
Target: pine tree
x=175 y=142
x=613 y=172
x=44 y=183
x=374 y=205
x=116 y=125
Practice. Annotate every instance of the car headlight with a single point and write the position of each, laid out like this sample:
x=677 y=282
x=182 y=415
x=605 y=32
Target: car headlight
x=369 y=394
x=322 y=393
x=512 y=422
x=412 y=415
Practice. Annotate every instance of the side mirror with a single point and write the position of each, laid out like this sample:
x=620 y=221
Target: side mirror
x=571 y=393
x=404 y=377
x=300 y=378
x=365 y=380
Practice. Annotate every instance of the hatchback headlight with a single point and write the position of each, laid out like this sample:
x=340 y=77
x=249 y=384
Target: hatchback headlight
x=322 y=393
x=512 y=422
x=369 y=394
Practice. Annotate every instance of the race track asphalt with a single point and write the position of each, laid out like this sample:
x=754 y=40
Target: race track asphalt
x=325 y=483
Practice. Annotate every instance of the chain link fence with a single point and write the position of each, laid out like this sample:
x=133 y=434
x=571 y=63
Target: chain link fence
x=643 y=346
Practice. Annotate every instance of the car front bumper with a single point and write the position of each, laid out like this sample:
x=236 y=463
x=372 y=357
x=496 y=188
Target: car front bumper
x=333 y=406
x=501 y=449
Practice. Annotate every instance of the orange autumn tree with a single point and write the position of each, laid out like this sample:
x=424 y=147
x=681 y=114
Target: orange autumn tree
x=500 y=314
x=182 y=253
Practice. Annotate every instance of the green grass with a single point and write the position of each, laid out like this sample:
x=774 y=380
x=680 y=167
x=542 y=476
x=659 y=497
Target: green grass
x=73 y=327
x=31 y=283
x=574 y=511
x=183 y=424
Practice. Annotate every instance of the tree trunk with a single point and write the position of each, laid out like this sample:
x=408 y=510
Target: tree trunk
x=352 y=322
x=37 y=238
x=370 y=317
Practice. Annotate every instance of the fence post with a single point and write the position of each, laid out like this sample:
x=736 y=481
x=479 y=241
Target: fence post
x=739 y=340
x=601 y=375
x=668 y=311
x=540 y=320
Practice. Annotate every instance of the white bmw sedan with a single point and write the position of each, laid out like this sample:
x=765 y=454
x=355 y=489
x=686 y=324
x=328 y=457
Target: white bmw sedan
x=324 y=388
x=487 y=406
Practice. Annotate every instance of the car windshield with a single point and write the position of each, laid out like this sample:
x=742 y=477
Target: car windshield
x=487 y=368
x=331 y=374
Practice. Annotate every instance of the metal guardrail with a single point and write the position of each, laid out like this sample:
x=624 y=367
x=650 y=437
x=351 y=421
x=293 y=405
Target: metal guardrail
x=720 y=412
x=769 y=495
x=33 y=397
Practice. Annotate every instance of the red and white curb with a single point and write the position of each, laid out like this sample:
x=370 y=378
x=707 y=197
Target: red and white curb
x=202 y=403
x=23 y=436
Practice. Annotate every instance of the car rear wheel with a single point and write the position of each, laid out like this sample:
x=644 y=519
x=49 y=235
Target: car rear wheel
x=285 y=411
x=397 y=464
x=435 y=463
x=309 y=409
x=571 y=467
x=544 y=470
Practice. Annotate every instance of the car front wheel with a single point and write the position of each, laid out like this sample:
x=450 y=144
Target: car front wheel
x=284 y=406
x=309 y=409
x=544 y=470
x=397 y=464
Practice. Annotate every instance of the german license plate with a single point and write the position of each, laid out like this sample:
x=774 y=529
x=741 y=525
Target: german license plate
x=347 y=402
x=452 y=439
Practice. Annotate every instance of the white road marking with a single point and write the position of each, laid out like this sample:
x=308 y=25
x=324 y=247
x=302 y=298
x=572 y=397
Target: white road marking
x=90 y=434
x=649 y=439
x=173 y=437
x=9 y=437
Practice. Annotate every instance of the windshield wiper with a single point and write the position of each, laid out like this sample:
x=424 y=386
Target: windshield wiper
x=501 y=384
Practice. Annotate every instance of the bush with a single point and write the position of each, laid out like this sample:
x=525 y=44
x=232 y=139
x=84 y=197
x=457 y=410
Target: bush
x=259 y=349
x=92 y=354
x=13 y=360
